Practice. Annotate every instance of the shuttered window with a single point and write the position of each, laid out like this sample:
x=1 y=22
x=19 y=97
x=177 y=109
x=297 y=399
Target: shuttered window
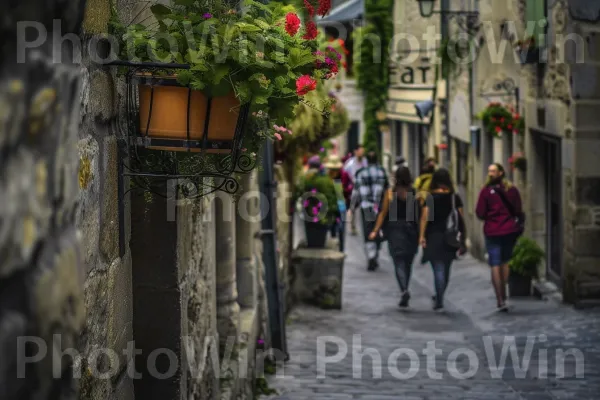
x=536 y=15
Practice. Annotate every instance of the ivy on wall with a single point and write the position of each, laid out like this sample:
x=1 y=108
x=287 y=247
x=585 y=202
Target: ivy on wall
x=372 y=43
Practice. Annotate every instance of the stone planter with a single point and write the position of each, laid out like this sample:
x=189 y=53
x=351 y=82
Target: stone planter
x=318 y=276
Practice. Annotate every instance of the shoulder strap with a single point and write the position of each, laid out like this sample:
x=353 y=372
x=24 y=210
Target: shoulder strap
x=507 y=204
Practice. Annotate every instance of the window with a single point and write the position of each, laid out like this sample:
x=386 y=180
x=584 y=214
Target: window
x=398 y=139
x=536 y=21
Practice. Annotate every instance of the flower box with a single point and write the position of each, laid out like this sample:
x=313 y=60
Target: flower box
x=175 y=118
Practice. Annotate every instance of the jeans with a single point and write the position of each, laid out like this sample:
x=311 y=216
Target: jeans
x=403 y=268
x=441 y=277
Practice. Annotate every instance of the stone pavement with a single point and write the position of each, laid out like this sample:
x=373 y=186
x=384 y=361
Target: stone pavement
x=468 y=339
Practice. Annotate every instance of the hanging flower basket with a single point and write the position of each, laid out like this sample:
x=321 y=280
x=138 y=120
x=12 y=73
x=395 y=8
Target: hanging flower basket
x=221 y=93
x=498 y=118
x=517 y=161
x=442 y=146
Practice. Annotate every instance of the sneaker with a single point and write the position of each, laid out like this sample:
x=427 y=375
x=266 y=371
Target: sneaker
x=438 y=308
x=502 y=308
x=404 y=300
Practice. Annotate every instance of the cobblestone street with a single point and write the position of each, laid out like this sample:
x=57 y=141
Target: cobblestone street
x=468 y=339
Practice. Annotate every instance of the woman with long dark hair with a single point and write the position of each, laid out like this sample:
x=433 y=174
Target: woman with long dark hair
x=399 y=218
x=499 y=206
x=440 y=247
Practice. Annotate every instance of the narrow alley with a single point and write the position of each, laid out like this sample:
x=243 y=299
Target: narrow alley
x=462 y=367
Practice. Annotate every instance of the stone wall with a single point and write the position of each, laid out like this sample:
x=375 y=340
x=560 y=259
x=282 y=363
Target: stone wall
x=42 y=260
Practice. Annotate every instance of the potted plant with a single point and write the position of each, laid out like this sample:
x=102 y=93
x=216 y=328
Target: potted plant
x=319 y=206
x=524 y=263
x=255 y=57
x=527 y=50
x=517 y=161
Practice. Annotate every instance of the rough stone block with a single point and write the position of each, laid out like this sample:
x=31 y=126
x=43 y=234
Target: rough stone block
x=102 y=93
x=586 y=160
x=588 y=191
x=319 y=275
x=109 y=227
x=97 y=15
x=88 y=216
x=583 y=217
x=120 y=306
x=586 y=242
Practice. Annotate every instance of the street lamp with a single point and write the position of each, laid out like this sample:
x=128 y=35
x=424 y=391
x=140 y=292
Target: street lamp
x=467 y=21
x=426 y=8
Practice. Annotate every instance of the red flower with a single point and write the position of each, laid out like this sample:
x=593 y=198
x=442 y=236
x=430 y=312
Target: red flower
x=442 y=146
x=516 y=116
x=498 y=129
x=324 y=7
x=305 y=84
x=334 y=69
x=311 y=31
x=509 y=126
x=309 y=8
x=292 y=24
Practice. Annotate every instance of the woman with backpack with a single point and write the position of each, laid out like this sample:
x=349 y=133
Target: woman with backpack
x=398 y=218
x=499 y=206
x=441 y=231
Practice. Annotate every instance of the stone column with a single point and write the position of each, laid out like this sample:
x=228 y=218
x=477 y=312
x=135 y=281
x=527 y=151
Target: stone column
x=246 y=226
x=228 y=310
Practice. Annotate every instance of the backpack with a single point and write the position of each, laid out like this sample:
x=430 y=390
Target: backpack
x=453 y=233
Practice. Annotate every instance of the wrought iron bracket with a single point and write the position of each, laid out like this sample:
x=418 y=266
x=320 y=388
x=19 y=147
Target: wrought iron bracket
x=467 y=21
x=505 y=87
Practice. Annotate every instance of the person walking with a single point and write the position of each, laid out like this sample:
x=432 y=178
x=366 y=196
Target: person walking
x=370 y=184
x=347 y=186
x=351 y=166
x=499 y=206
x=334 y=169
x=399 y=219
x=424 y=179
x=441 y=231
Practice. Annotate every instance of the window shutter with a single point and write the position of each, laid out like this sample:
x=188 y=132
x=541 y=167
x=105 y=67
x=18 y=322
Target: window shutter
x=536 y=12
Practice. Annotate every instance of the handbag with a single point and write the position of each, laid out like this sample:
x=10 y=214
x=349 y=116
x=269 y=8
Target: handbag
x=453 y=233
x=519 y=218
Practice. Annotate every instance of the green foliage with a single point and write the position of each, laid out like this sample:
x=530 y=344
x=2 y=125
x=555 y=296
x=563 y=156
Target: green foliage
x=317 y=192
x=526 y=257
x=372 y=44
x=248 y=52
x=498 y=118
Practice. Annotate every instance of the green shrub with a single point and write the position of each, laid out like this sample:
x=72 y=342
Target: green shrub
x=317 y=193
x=526 y=257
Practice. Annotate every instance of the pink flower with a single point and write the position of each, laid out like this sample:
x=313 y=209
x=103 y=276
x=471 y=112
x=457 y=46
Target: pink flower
x=306 y=203
x=315 y=219
x=278 y=136
x=320 y=205
x=288 y=131
x=315 y=210
x=314 y=191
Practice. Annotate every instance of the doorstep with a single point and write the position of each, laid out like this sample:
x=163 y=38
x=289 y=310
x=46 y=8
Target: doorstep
x=547 y=290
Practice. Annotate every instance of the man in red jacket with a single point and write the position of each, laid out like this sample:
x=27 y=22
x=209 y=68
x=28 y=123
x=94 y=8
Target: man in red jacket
x=499 y=206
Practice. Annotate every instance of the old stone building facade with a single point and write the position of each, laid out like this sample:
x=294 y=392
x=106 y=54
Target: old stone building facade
x=125 y=295
x=557 y=96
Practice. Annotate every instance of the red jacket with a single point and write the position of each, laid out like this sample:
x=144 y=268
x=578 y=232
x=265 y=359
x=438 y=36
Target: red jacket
x=498 y=221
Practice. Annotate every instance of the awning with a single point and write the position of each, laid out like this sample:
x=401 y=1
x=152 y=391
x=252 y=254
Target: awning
x=402 y=99
x=349 y=11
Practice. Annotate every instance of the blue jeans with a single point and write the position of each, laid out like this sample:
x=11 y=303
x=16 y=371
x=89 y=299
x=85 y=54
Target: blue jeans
x=441 y=277
x=403 y=268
